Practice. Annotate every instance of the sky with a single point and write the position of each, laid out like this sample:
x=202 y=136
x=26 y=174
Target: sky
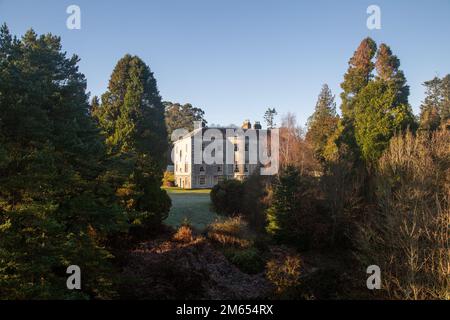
x=235 y=58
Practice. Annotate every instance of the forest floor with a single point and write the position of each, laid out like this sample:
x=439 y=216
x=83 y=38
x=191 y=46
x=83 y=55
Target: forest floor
x=193 y=206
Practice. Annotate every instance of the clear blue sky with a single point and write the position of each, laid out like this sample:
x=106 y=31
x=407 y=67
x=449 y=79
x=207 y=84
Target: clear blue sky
x=234 y=58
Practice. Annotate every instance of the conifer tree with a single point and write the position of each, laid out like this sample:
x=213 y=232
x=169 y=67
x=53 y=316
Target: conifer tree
x=55 y=209
x=435 y=109
x=382 y=108
x=132 y=118
x=358 y=75
x=323 y=123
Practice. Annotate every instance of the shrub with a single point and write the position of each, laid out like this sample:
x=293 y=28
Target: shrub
x=296 y=215
x=226 y=197
x=248 y=260
x=284 y=273
x=169 y=179
x=184 y=234
x=407 y=233
x=232 y=231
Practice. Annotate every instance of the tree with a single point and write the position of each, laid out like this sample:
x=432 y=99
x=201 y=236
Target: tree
x=407 y=234
x=435 y=109
x=55 y=208
x=131 y=116
x=382 y=108
x=269 y=117
x=182 y=116
x=227 y=197
x=293 y=216
x=358 y=75
x=323 y=123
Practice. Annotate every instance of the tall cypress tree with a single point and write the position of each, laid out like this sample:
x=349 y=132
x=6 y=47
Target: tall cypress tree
x=132 y=118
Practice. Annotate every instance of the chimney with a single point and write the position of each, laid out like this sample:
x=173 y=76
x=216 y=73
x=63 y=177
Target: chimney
x=246 y=125
x=257 y=125
x=199 y=124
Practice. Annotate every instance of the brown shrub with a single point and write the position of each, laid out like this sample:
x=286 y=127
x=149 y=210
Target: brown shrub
x=284 y=273
x=408 y=233
x=230 y=232
x=184 y=234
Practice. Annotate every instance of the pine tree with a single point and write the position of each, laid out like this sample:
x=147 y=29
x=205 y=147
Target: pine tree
x=323 y=123
x=132 y=118
x=55 y=210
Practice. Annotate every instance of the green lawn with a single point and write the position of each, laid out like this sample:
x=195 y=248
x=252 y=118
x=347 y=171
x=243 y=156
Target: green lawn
x=193 y=205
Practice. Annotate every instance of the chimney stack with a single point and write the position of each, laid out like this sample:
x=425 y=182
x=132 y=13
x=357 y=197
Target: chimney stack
x=246 y=125
x=257 y=125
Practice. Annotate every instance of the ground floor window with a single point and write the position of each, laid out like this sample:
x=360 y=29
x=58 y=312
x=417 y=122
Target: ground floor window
x=202 y=180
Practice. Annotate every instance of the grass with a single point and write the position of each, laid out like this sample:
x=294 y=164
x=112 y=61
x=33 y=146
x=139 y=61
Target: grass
x=186 y=191
x=190 y=205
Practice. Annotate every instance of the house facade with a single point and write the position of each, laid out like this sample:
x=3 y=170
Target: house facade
x=232 y=158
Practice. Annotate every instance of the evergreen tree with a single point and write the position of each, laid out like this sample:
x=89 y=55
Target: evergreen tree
x=382 y=108
x=323 y=123
x=358 y=75
x=182 y=116
x=132 y=118
x=55 y=209
x=293 y=208
x=435 y=109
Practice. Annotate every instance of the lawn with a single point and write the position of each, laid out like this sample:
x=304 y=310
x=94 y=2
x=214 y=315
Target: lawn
x=190 y=205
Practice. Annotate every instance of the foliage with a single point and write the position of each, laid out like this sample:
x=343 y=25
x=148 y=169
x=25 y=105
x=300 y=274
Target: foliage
x=407 y=235
x=131 y=116
x=230 y=232
x=435 y=110
x=184 y=234
x=323 y=123
x=56 y=208
x=248 y=260
x=284 y=272
x=179 y=116
x=169 y=179
x=226 y=197
x=269 y=117
x=296 y=215
x=378 y=118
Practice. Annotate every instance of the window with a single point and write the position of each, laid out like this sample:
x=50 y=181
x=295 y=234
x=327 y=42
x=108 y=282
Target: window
x=235 y=147
x=246 y=168
x=219 y=168
x=202 y=180
x=186 y=167
x=213 y=153
x=220 y=179
x=236 y=168
x=202 y=169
